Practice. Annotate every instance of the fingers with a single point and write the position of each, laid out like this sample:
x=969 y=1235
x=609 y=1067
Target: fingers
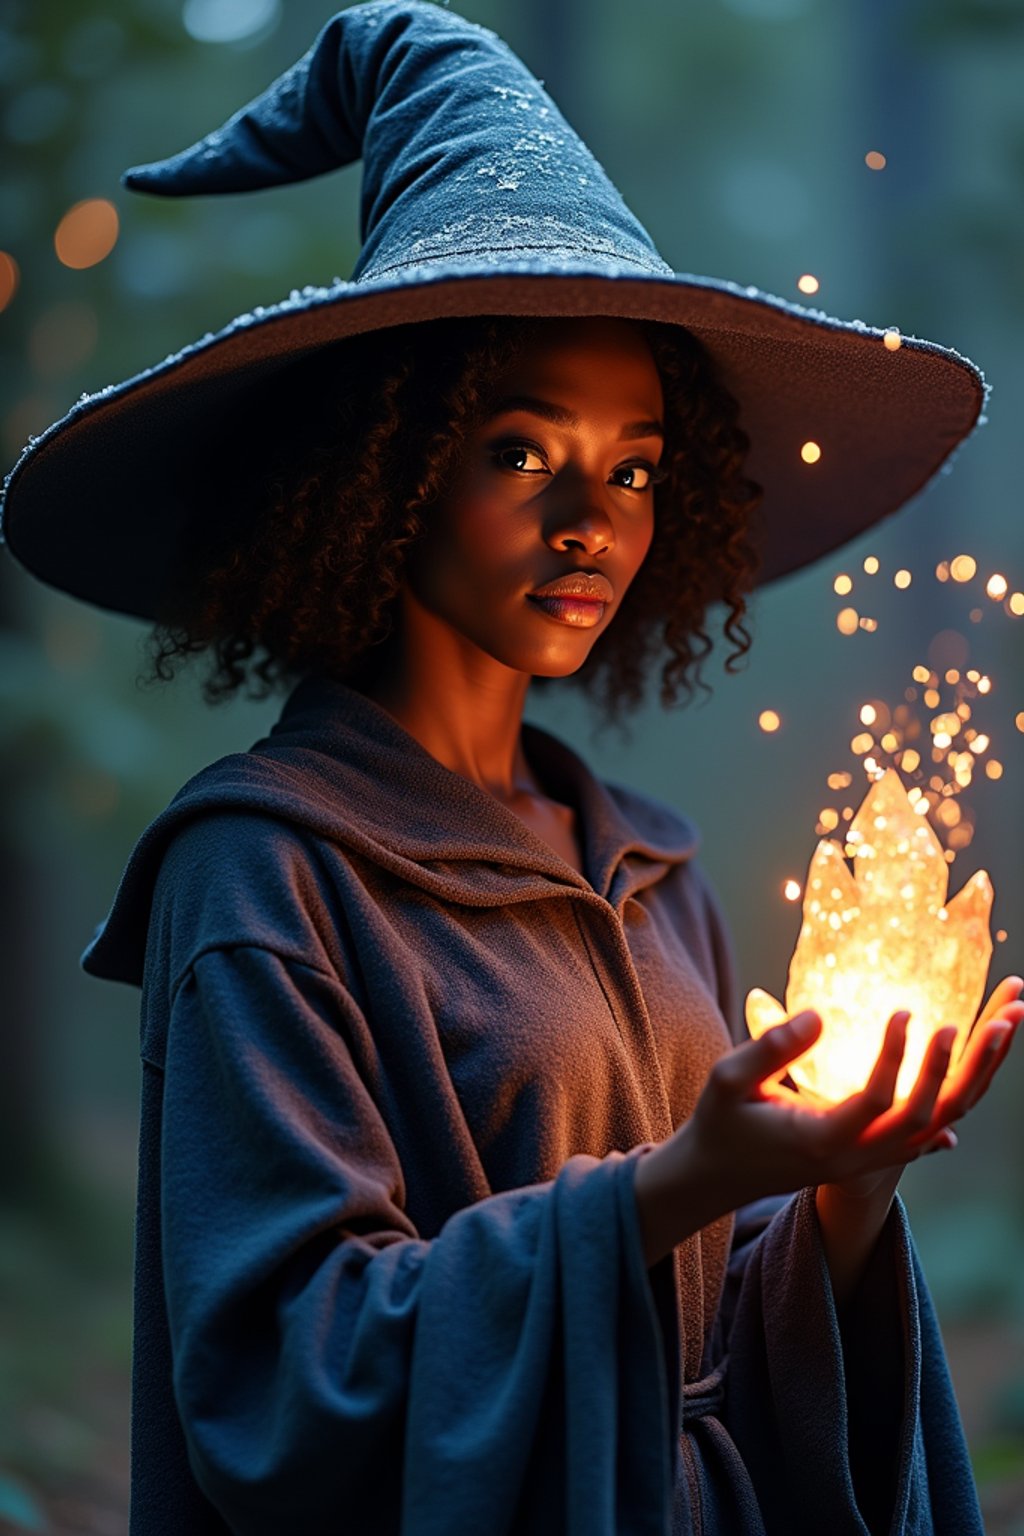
x=1008 y=991
x=985 y=1053
x=748 y=1066
x=916 y=1115
x=855 y=1114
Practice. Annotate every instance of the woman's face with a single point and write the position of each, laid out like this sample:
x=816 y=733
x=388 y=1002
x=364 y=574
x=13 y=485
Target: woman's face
x=555 y=487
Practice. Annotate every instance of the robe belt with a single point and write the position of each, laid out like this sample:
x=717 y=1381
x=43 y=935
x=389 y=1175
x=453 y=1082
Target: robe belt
x=706 y=1395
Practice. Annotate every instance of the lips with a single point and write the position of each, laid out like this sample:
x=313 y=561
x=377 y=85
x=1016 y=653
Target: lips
x=579 y=599
x=580 y=586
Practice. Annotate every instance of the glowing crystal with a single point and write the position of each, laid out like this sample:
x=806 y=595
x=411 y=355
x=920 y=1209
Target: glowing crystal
x=880 y=940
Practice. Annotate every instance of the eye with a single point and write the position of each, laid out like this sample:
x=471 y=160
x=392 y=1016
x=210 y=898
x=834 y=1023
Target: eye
x=640 y=476
x=515 y=456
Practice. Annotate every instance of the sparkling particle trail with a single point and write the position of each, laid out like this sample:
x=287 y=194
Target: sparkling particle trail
x=963 y=568
x=871 y=565
x=808 y=283
x=810 y=452
x=942 y=571
x=1016 y=604
x=997 y=587
x=792 y=890
x=902 y=579
x=1019 y=721
x=875 y=160
x=994 y=769
x=842 y=584
x=768 y=720
x=847 y=621
x=869 y=624
x=868 y=714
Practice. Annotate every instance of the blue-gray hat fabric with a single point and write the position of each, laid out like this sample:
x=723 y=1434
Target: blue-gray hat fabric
x=477 y=198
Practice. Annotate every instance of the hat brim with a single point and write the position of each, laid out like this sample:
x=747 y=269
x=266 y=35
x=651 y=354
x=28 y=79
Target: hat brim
x=95 y=505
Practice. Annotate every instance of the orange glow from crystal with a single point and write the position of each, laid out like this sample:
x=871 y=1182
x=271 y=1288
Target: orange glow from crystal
x=882 y=938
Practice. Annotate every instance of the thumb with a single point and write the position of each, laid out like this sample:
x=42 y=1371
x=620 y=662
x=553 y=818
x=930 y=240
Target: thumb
x=753 y=1062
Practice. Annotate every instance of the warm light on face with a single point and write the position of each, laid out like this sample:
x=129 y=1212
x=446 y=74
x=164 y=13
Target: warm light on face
x=878 y=940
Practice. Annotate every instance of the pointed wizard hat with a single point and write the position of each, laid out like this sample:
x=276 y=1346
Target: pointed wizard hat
x=477 y=199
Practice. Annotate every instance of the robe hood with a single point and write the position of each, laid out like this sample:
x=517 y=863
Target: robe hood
x=340 y=767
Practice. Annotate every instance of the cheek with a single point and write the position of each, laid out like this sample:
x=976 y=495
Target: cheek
x=473 y=549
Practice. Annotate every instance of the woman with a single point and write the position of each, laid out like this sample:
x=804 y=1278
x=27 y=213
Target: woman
x=458 y=1208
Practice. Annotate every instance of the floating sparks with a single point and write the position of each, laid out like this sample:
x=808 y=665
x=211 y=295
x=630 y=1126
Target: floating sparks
x=1000 y=935
x=10 y=275
x=875 y=160
x=997 y=587
x=769 y=721
x=902 y=579
x=879 y=940
x=942 y=571
x=1018 y=721
x=842 y=584
x=892 y=340
x=868 y=714
x=871 y=565
x=792 y=890
x=87 y=233
x=847 y=621
x=808 y=283
x=810 y=452
x=1016 y=604
x=994 y=768
x=963 y=568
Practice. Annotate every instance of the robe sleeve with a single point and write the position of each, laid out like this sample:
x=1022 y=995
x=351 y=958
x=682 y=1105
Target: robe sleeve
x=798 y=1381
x=335 y=1371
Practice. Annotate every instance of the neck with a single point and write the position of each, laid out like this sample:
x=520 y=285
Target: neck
x=464 y=707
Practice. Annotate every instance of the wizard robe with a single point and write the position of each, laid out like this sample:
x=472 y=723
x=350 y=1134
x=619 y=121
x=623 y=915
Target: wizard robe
x=399 y=1064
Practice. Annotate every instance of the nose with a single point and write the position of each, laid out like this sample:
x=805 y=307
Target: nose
x=584 y=527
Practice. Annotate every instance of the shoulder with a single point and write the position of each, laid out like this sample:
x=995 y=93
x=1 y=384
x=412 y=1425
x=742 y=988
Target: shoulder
x=231 y=860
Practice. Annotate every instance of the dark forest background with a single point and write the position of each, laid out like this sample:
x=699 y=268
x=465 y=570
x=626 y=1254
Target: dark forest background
x=737 y=130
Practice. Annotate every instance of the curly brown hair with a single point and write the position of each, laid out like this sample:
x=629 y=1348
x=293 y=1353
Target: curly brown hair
x=299 y=569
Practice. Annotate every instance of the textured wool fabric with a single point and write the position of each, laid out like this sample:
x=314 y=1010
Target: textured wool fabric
x=478 y=198
x=400 y=1062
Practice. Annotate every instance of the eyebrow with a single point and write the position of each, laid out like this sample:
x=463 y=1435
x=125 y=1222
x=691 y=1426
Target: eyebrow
x=563 y=417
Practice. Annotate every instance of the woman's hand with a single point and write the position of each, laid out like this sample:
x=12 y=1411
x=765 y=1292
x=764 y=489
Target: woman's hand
x=751 y=1136
x=946 y=1092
